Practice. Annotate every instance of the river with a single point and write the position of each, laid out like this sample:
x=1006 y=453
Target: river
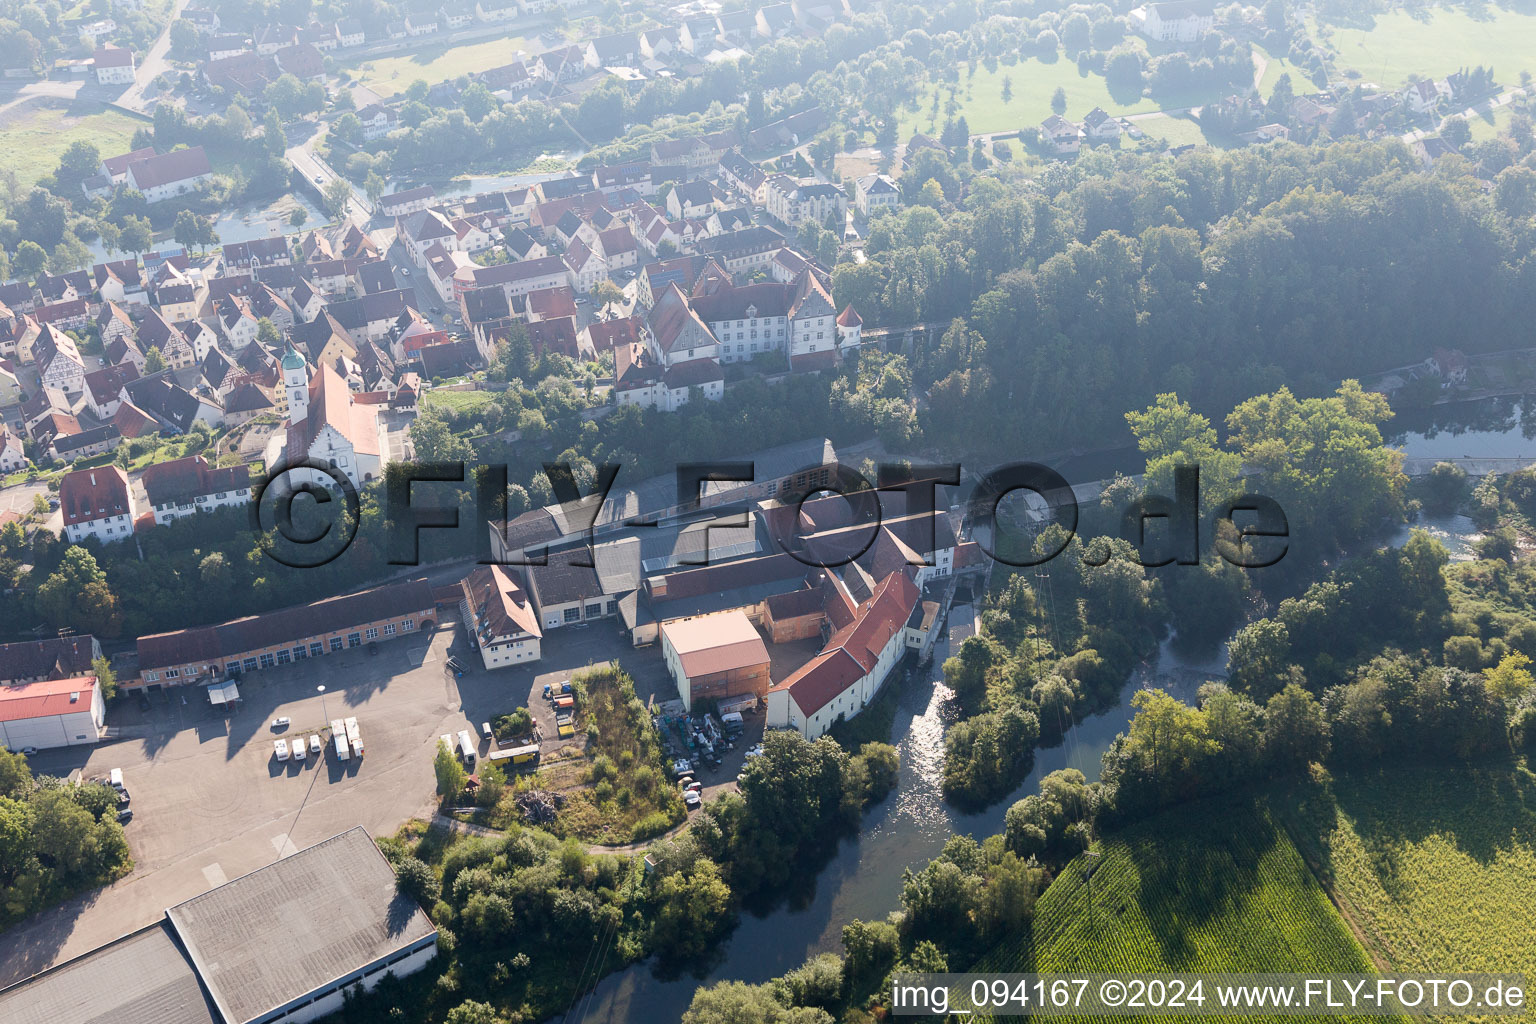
x=863 y=879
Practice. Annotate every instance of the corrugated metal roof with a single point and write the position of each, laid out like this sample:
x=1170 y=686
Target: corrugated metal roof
x=297 y=925
x=142 y=978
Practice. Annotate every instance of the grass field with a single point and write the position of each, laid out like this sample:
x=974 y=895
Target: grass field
x=1437 y=866
x=34 y=135
x=1437 y=42
x=460 y=401
x=980 y=98
x=1199 y=889
x=389 y=75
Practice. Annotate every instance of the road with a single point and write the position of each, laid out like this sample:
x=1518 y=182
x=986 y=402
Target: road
x=397 y=48
x=151 y=66
x=318 y=174
x=1487 y=106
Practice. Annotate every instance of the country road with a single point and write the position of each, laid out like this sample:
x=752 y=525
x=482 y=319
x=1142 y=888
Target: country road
x=151 y=66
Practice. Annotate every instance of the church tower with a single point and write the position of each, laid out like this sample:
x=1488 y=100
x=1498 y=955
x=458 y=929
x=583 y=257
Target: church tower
x=296 y=384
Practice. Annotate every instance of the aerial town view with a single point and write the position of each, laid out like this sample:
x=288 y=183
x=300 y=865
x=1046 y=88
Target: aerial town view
x=810 y=512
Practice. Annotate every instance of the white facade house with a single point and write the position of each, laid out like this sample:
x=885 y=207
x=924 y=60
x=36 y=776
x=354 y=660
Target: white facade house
x=97 y=503
x=876 y=192
x=184 y=487
x=170 y=175
x=52 y=713
x=499 y=618
x=1179 y=21
x=113 y=66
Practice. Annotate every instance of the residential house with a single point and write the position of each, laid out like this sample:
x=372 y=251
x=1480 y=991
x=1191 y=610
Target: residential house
x=378 y=121
x=499 y=618
x=170 y=175
x=172 y=407
x=1098 y=126
x=874 y=193
x=104 y=388
x=59 y=364
x=97 y=503
x=183 y=487
x=407 y=201
x=113 y=65
x=1060 y=135
x=349 y=32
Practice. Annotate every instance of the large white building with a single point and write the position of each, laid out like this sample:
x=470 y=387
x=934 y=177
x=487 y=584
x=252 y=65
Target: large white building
x=848 y=673
x=499 y=618
x=52 y=713
x=97 y=503
x=1178 y=21
x=170 y=175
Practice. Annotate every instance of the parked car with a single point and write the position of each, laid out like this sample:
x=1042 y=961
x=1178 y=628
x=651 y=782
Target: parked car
x=125 y=815
x=406 y=271
x=282 y=722
x=373 y=648
x=693 y=787
x=143 y=702
x=315 y=746
x=692 y=800
x=28 y=751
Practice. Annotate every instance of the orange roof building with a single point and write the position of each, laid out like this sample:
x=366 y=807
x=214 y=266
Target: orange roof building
x=713 y=657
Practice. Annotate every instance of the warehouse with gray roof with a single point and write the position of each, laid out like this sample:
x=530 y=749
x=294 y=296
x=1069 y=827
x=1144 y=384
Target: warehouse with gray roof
x=281 y=944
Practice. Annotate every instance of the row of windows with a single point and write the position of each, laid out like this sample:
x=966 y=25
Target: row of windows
x=299 y=652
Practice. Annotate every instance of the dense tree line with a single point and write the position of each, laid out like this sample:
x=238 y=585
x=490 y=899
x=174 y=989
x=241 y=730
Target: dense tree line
x=56 y=838
x=1093 y=286
x=518 y=915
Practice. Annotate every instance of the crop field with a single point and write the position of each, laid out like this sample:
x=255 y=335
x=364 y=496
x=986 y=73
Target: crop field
x=1437 y=41
x=389 y=75
x=1206 y=888
x=1437 y=866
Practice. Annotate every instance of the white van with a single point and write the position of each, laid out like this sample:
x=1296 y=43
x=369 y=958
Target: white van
x=116 y=778
x=467 y=746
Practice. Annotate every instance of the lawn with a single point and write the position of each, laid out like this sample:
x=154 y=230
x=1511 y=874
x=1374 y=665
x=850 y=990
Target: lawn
x=389 y=75
x=1437 y=866
x=460 y=401
x=1178 y=131
x=1437 y=42
x=980 y=97
x=36 y=134
x=1210 y=887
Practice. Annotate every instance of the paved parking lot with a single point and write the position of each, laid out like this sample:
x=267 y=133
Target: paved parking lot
x=211 y=802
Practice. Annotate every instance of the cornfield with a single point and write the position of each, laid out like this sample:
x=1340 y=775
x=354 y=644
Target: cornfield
x=1211 y=888
x=1437 y=866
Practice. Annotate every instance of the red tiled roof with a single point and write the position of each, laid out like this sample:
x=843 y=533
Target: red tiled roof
x=86 y=494
x=849 y=317
x=41 y=699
